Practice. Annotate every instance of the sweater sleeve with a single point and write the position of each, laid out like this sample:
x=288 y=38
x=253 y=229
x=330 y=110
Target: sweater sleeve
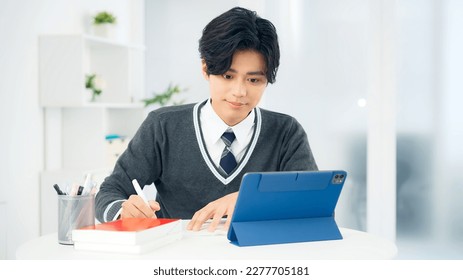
x=141 y=161
x=296 y=154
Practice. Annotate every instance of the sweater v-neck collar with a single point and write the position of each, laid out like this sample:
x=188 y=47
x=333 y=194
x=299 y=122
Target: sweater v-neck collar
x=216 y=171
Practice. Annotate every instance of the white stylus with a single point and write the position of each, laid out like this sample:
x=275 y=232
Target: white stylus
x=139 y=191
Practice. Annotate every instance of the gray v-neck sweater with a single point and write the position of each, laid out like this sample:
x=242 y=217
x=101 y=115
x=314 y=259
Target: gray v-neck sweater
x=168 y=150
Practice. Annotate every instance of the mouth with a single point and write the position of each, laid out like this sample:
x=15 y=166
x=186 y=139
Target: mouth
x=236 y=104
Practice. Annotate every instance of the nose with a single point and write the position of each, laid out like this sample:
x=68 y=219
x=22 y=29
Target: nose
x=240 y=89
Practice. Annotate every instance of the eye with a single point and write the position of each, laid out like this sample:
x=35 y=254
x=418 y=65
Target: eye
x=254 y=80
x=227 y=77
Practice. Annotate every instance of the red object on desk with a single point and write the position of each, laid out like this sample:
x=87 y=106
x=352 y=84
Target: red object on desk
x=131 y=224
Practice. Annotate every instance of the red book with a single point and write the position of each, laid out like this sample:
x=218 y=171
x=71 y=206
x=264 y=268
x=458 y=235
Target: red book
x=129 y=231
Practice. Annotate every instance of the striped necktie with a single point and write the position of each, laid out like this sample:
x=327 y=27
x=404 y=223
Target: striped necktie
x=228 y=161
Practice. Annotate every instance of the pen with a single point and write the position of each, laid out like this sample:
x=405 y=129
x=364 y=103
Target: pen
x=139 y=191
x=58 y=190
x=74 y=189
x=87 y=184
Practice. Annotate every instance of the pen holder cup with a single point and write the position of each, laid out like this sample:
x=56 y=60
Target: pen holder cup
x=74 y=212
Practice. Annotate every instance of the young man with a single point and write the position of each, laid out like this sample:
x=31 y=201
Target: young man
x=196 y=154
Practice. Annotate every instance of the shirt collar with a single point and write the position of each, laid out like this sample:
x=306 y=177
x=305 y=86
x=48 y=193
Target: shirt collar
x=214 y=127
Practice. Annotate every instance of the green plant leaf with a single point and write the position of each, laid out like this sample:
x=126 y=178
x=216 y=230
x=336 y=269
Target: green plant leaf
x=89 y=81
x=90 y=84
x=164 y=97
x=104 y=17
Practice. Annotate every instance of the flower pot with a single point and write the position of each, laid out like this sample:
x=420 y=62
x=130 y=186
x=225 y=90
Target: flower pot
x=106 y=30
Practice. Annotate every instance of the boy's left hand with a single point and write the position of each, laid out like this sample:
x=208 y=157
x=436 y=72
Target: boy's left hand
x=215 y=210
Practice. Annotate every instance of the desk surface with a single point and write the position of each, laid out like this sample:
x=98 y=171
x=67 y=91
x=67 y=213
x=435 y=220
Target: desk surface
x=215 y=246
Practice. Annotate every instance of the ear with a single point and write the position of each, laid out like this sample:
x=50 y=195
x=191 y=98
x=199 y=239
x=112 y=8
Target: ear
x=204 y=70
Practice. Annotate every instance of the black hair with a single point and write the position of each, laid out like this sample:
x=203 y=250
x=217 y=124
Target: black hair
x=235 y=30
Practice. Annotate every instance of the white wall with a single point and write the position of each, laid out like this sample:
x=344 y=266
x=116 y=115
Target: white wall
x=173 y=29
x=418 y=71
x=21 y=117
x=448 y=183
x=325 y=63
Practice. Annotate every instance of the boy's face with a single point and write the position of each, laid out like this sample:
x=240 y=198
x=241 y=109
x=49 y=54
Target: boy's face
x=235 y=93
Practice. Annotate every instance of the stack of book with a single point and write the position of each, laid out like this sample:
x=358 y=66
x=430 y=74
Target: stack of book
x=130 y=235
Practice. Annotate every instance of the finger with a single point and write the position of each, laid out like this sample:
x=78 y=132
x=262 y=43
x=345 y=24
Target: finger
x=146 y=211
x=191 y=223
x=154 y=205
x=214 y=223
x=134 y=212
x=135 y=206
x=143 y=208
x=196 y=222
x=229 y=217
x=216 y=220
x=227 y=222
x=202 y=216
x=128 y=210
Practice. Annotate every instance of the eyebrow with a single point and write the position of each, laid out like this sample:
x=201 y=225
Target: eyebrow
x=260 y=73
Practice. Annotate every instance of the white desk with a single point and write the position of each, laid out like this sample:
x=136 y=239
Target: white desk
x=201 y=245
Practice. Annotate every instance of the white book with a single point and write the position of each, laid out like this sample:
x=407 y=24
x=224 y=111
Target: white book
x=127 y=249
x=129 y=231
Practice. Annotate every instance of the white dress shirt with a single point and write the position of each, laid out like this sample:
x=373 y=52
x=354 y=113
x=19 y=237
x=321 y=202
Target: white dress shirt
x=213 y=127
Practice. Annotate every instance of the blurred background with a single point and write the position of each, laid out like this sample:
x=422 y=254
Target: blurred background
x=376 y=84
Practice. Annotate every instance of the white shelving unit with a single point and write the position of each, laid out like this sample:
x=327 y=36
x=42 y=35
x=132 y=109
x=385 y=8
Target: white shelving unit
x=65 y=60
x=76 y=127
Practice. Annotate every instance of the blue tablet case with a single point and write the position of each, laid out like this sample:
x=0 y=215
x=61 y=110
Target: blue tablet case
x=286 y=207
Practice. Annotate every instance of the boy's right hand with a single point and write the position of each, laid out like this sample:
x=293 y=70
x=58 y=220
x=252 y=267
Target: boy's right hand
x=136 y=207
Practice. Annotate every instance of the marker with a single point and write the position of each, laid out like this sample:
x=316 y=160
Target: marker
x=79 y=191
x=139 y=191
x=58 y=190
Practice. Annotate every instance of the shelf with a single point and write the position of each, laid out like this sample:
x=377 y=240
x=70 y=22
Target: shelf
x=78 y=135
x=75 y=127
x=65 y=60
x=134 y=105
x=104 y=42
x=137 y=105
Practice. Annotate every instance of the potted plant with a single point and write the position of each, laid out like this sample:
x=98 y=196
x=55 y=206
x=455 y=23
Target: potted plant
x=103 y=24
x=165 y=97
x=95 y=85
